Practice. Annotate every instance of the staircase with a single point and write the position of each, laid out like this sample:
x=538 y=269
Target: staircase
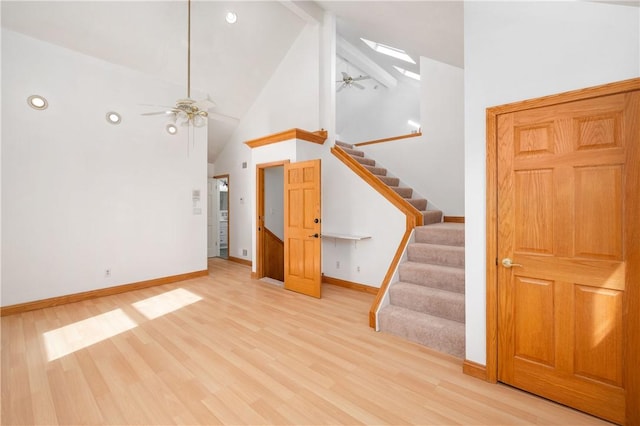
x=430 y=216
x=427 y=304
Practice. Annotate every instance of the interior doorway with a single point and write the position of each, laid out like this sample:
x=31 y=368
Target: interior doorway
x=221 y=214
x=270 y=220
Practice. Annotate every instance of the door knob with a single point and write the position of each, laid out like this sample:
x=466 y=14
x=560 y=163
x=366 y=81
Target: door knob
x=315 y=235
x=506 y=262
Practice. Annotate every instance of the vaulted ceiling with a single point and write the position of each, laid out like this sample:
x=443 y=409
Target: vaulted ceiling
x=230 y=63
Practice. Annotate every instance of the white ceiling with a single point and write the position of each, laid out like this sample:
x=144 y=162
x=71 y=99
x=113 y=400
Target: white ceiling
x=231 y=63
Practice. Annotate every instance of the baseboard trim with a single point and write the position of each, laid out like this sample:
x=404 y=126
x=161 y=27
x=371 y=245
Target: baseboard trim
x=454 y=219
x=474 y=369
x=240 y=261
x=92 y=294
x=349 y=284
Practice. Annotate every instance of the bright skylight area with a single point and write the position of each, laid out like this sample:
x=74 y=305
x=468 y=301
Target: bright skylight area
x=165 y=303
x=389 y=51
x=407 y=73
x=82 y=334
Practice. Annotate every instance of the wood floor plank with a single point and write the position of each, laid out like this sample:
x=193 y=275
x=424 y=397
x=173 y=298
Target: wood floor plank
x=225 y=349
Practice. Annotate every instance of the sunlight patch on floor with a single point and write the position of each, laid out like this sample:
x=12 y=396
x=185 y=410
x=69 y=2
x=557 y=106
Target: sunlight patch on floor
x=79 y=335
x=164 y=303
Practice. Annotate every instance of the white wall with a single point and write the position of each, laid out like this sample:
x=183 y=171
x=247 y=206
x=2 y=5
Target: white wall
x=80 y=195
x=433 y=164
x=521 y=50
x=290 y=99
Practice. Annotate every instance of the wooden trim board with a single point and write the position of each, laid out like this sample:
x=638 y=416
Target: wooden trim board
x=246 y=262
x=92 y=294
x=474 y=369
x=394 y=138
x=350 y=284
x=453 y=219
x=318 y=137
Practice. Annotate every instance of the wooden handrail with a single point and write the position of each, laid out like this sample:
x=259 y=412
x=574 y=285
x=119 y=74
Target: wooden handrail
x=318 y=137
x=413 y=218
x=393 y=138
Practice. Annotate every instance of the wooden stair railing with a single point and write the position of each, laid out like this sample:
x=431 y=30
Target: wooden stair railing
x=393 y=138
x=413 y=218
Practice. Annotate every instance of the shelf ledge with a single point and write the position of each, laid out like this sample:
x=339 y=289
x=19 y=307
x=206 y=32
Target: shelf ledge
x=345 y=236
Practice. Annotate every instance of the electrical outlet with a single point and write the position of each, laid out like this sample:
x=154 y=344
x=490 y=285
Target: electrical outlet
x=244 y=252
x=358 y=268
x=337 y=264
x=107 y=273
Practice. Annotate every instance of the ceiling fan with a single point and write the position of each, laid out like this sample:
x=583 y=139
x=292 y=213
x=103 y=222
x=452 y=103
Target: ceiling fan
x=348 y=81
x=188 y=111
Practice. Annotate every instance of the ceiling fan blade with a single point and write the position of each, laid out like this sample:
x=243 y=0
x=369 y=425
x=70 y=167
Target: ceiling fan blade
x=358 y=85
x=345 y=76
x=157 y=113
x=362 y=77
x=224 y=118
x=341 y=87
x=158 y=106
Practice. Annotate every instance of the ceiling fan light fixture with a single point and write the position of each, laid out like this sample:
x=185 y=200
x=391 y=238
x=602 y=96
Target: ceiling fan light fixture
x=199 y=120
x=231 y=17
x=37 y=102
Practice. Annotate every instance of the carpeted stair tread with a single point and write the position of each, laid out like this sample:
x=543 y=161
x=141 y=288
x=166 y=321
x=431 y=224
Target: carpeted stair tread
x=364 y=161
x=448 y=278
x=418 y=203
x=451 y=234
x=403 y=191
x=344 y=145
x=389 y=181
x=437 y=333
x=436 y=254
x=428 y=300
x=431 y=216
x=378 y=171
x=353 y=152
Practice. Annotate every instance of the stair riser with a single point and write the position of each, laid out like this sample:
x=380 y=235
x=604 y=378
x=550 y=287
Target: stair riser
x=404 y=192
x=379 y=171
x=431 y=216
x=442 y=304
x=440 y=236
x=390 y=181
x=444 y=338
x=443 y=280
x=438 y=255
x=418 y=203
x=352 y=152
x=364 y=161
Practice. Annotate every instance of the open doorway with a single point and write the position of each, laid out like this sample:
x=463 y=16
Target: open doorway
x=270 y=221
x=218 y=218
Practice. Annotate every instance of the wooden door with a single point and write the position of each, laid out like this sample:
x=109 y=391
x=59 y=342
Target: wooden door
x=567 y=179
x=302 y=246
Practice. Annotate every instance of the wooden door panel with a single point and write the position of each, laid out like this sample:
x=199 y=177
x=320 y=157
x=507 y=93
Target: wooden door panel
x=562 y=181
x=302 y=246
x=598 y=338
x=598 y=211
x=534 y=322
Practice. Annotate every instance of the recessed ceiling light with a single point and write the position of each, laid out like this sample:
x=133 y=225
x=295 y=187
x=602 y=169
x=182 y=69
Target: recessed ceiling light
x=37 y=102
x=113 y=118
x=388 y=50
x=408 y=73
x=231 y=17
x=172 y=129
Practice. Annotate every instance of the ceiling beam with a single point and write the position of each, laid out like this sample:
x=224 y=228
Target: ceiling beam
x=308 y=11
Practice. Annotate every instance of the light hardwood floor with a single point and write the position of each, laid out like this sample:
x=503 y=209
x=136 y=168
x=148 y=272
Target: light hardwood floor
x=226 y=349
